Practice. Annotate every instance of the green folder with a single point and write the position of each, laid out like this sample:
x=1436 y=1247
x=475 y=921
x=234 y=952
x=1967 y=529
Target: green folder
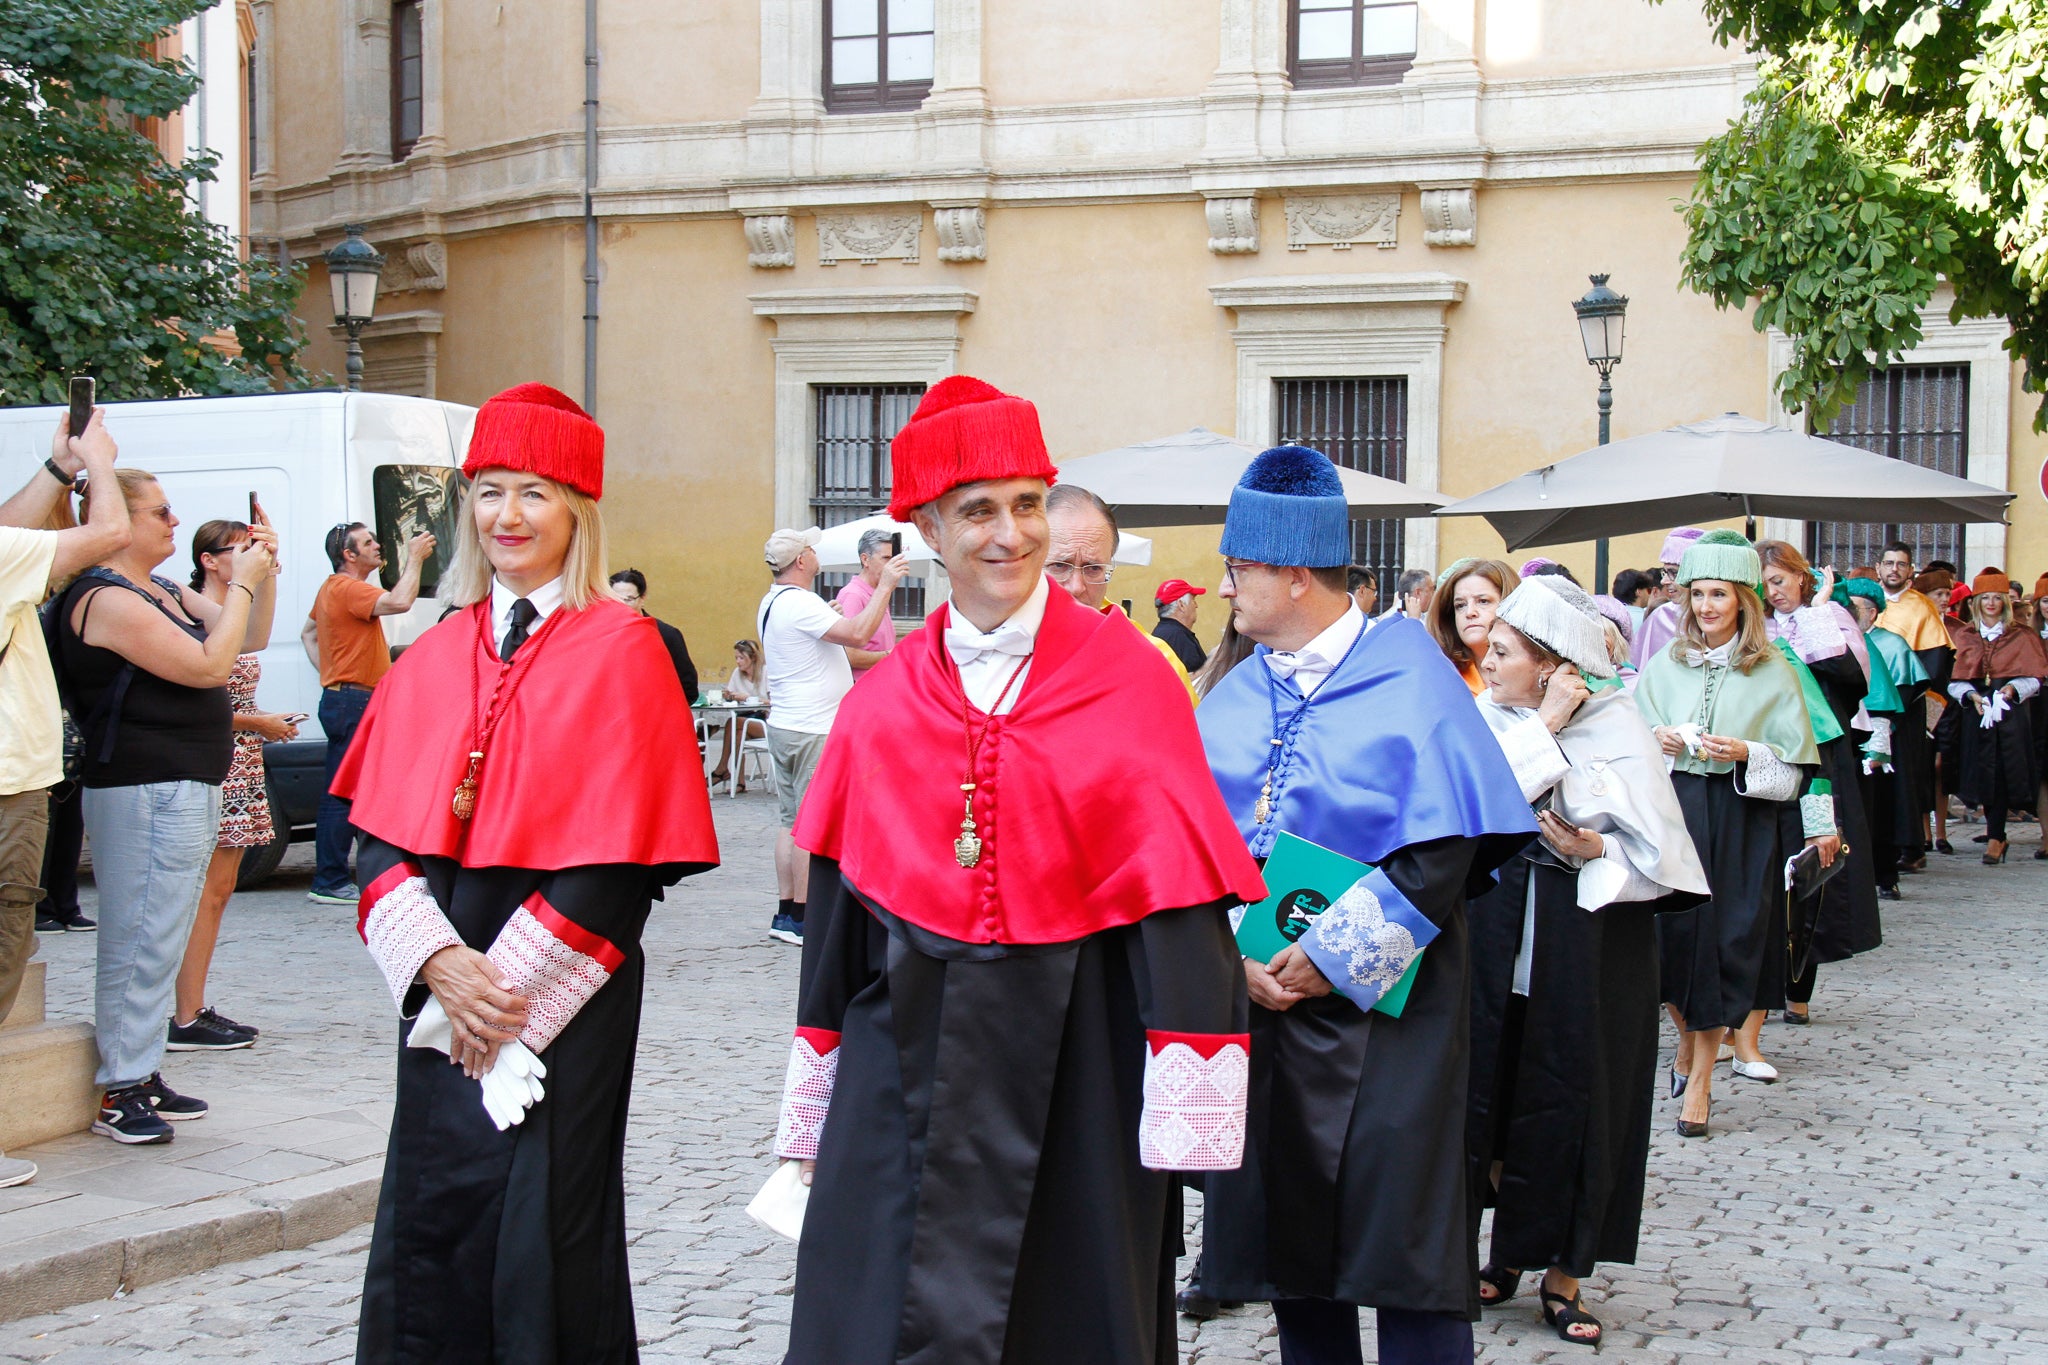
x=1303 y=878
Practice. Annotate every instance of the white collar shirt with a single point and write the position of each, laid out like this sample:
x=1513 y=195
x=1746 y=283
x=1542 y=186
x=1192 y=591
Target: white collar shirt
x=986 y=659
x=545 y=598
x=1310 y=665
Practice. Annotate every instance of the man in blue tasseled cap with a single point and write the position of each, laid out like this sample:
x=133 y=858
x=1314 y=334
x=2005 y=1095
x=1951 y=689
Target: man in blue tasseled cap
x=1354 y=1189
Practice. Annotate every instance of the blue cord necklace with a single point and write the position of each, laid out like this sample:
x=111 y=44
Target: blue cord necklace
x=1285 y=731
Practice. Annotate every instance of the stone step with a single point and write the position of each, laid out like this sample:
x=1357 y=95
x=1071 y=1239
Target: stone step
x=46 y=1072
x=28 y=1006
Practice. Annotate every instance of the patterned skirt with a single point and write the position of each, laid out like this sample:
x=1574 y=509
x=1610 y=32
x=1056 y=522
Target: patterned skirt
x=244 y=804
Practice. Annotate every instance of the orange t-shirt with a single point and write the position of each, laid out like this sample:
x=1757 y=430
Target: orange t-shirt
x=352 y=645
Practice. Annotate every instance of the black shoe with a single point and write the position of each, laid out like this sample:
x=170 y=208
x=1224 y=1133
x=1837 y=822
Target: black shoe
x=204 y=1035
x=1691 y=1130
x=1944 y=846
x=1193 y=1303
x=127 y=1116
x=167 y=1103
x=1889 y=893
x=79 y=924
x=49 y=924
x=1794 y=1017
x=213 y=1015
x=1918 y=864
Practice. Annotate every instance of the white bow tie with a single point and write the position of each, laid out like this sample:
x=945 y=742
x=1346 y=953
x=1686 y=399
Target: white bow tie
x=1285 y=665
x=966 y=644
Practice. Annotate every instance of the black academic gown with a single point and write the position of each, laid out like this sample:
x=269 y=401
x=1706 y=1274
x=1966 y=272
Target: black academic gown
x=1720 y=960
x=1562 y=1078
x=509 y=1248
x=1844 y=918
x=1340 y=1097
x=679 y=655
x=968 y=1214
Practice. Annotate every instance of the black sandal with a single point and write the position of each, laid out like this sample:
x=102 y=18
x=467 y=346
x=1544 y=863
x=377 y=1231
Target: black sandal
x=1567 y=1315
x=1503 y=1282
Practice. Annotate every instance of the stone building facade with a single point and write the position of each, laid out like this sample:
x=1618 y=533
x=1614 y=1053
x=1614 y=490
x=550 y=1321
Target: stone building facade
x=747 y=232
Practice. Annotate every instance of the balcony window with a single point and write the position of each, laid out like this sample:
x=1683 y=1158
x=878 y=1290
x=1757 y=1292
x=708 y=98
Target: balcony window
x=878 y=54
x=1349 y=42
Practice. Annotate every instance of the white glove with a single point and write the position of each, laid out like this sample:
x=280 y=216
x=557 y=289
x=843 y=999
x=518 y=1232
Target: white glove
x=432 y=1028
x=513 y=1084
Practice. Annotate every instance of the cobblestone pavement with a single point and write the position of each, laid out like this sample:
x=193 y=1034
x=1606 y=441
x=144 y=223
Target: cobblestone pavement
x=1879 y=1204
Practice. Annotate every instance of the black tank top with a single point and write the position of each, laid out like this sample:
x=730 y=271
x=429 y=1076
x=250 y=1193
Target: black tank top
x=167 y=732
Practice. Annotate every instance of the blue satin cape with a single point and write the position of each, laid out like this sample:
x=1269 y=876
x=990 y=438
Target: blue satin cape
x=1391 y=753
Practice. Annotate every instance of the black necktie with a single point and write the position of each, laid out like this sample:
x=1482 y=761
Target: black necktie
x=523 y=613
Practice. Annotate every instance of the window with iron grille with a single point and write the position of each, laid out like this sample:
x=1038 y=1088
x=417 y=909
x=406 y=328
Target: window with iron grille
x=406 y=54
x=1360 y=424
x=1349 y=42
x=878 y=54
x=1916 y=413
x=856 y=423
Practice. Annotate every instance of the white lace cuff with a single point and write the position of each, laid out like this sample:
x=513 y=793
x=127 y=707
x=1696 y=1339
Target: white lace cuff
x=1817 y=815
x=1765 y=776
x=807 y=1093
x=1365 y=941
x=1196 y=1085
x=1880 y=741
x=402 y=926
x=555 y=963
x=1532 y=751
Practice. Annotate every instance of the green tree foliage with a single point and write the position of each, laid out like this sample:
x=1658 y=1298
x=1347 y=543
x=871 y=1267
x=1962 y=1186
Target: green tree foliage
x=106 y=267
x=1889 y=144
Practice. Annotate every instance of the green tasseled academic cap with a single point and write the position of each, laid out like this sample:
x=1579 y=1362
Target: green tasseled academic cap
x=1723 y=555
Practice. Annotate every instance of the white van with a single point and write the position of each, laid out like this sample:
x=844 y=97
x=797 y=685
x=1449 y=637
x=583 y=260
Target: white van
x=313 y=460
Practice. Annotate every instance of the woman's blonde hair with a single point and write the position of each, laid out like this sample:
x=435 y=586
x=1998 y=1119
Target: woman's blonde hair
x=1752 y=641
x=468 y=579
x=131 y=480
x=1441 y=609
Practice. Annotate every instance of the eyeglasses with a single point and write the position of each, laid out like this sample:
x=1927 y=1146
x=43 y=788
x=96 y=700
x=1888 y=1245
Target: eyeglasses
x=1090 y=573
x=162 y=512
x=1231 y=567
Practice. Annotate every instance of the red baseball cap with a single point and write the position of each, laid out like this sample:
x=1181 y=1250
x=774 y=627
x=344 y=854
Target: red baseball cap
x=1173 y=589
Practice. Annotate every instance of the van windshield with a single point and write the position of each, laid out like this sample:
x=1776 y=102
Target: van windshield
x=409 y=499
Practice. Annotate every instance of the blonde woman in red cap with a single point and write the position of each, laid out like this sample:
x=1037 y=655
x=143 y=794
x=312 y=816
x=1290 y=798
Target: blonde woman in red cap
x=514 y=839
x=1999 y=668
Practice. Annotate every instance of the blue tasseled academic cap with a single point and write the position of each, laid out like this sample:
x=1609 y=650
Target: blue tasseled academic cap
x=1289 y=509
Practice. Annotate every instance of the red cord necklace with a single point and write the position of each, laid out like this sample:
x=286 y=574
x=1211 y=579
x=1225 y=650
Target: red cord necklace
x=509 y=677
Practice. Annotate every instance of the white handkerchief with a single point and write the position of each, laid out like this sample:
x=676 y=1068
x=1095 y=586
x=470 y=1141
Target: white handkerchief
x=780 y=1205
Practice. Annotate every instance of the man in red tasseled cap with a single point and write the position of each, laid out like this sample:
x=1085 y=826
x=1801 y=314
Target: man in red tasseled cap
x=517 y=828
x=1021 y=1005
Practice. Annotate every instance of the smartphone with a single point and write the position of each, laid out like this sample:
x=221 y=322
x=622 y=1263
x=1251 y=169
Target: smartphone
x=252 y=507
x=82 y=390
x=895 y=544
x=297 y=717
x=1127 y=608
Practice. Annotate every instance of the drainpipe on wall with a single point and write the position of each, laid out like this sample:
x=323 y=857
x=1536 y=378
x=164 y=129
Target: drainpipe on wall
x=590 y=207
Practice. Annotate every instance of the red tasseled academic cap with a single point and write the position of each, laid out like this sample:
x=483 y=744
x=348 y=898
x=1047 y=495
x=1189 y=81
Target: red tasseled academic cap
x=538 y=430
x=964 y=431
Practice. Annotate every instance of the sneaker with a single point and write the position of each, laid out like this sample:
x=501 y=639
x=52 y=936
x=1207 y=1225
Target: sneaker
x=14 y=1171
x=48 y=924
x=127 y=1116
x=341 y=895
x=788 y=929
x=209 y=1013
x=168 y=1103
x=204 y=1035
x=79 y=924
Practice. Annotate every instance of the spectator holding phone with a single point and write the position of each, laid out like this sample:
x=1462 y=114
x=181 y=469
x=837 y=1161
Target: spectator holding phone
x=35 y=560
x=853 y=599
x=345 y=642
x=146 y=663
x=244 y=808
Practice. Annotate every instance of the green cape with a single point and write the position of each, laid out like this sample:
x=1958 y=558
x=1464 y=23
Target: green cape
x=1766 y=705
x=1818 y=712
x=1890 y=661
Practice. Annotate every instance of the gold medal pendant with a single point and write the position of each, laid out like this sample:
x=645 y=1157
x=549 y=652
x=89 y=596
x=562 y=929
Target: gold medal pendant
x=465 y=791
x=1263 y=811
x=967 y=848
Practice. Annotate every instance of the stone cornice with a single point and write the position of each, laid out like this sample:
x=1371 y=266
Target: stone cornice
x=1632 y=125
x=1338 y=291
x=783 y=303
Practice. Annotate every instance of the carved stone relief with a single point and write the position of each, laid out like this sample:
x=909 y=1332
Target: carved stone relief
x=962 y=233
x=1450 y=217
x=869 y=237
x=419 y=266
x=771 y=240
x=1233 y=226
x=1341 y=221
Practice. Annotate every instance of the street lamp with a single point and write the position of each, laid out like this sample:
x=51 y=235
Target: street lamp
x=353 y=268
x=1602 y=316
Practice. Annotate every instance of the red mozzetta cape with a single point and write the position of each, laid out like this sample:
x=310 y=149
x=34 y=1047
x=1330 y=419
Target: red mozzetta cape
x=1095 y=803
x=595 y=760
